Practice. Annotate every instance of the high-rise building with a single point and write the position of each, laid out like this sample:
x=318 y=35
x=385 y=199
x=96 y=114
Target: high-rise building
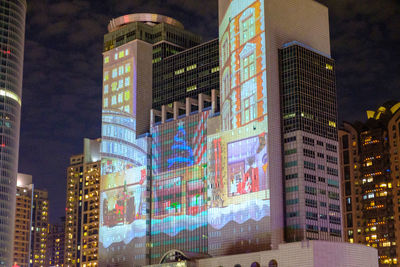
x=371 y=180
x=12 y=38
x=186 y=74
x=310 y=156
x=134 y=50
x=23 y=220
x=56 y=242
x=82 y=207
x=209 y=181
x=40 y=228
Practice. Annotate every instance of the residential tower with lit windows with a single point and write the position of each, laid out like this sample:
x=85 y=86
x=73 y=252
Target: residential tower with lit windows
x=82 y=207
x=370 y=180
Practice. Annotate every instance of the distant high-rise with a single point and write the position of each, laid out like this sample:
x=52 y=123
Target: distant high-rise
x=12 y=36
x=23 y=220
x=82 y=207
x=370 y=180
x=40 y=228
x=56 y=242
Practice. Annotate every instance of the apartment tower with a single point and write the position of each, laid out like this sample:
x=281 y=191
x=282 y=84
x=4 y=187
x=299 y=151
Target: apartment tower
x=23 y=220
x=82 y=207
x=12 y=39
x=370 y=168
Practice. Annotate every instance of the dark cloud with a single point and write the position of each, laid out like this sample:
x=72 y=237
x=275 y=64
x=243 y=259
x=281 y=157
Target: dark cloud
x=63 y=65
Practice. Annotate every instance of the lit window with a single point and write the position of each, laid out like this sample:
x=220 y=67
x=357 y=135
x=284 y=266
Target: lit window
x=121 y=70
x=106 y=102
x=106 y=89
x=127 y=95
x=126 y=109
x=120 y=98
x=127 y=81
x=127 y=68
x=114 y=73
x=121 y=54
x=116 y=56
x=106 y=76
x=126 y=52
x=114 y=86
x=329 y=66
x=106 y=59
x=120 y=84
x=113 y=100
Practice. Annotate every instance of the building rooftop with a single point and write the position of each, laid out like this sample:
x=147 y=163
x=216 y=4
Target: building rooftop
x=148 y=18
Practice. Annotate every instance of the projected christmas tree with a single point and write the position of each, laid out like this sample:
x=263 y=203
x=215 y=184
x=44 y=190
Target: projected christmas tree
x=182 y=152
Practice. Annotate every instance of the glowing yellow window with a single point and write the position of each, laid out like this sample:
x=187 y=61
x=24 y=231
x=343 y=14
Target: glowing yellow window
x=329 y=67
x=121 y=54
x=127 y=96
x=106 y=59
x=127 y=68
x=106 y=76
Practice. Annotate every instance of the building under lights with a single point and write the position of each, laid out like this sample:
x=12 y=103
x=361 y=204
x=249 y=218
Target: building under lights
x=40 y=228
x=12 y=37
x=370 y=182
x=82 y=207
x=194 y=169
x=56 y=243
x=23 y=220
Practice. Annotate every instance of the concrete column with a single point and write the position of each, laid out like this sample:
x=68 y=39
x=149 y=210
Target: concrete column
x=188 y=106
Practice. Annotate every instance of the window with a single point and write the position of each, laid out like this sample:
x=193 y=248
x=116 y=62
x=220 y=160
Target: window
x=127 y=95
x=127 y=68
x=310 y=190
x=290 y=164
x=105 y=102
x=127 y=81
x=106 y=76
x=308 y=141
x=106 y=89
x=114 y=100
x=248 y=66
x=247 y=25
x=255 y=264
x=309 y=165
x=290 y=139
x=273 y=263
x=114 y=73
x=106 y=59
x=121 y=70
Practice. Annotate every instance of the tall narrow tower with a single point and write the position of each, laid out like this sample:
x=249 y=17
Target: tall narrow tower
x=11 y=59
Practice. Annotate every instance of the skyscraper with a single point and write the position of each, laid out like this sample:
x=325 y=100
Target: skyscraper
x=82 y=207
x=209 y=181
x=133 y=50
x=309 y=118
x=56 y=243
x=40 y=228
x=23 y=220
x=371 y=180
x=11 y=60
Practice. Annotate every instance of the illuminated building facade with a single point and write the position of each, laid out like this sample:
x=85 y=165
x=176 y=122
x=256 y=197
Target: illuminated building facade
x=82 y=207
x=133 y=51
x=40 y=228
x=351 y=184
x=201 y=180
x=56 y=242
x=23 y=220
x=373 y=218
x=311 y=155
x=12 y=38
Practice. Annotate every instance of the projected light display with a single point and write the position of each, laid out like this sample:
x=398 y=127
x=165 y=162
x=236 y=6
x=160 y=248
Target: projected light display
x=124 y=166
x=179 y=187
x=237 y=173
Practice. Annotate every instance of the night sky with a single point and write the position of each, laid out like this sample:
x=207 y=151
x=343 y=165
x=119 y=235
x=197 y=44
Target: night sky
x=63 y=70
